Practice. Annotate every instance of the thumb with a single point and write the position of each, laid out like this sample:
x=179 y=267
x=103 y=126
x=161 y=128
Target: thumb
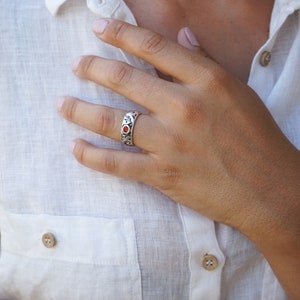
x=187 y=39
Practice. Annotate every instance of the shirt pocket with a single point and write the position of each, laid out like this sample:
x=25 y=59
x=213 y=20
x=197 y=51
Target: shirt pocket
x=68 y=257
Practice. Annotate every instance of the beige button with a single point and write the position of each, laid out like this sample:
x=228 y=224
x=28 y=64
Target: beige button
x=48 y=240
x=265 y=58
x=209 y=262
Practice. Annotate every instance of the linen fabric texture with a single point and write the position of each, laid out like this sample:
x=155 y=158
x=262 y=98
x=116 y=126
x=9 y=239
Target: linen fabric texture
x=115 y=239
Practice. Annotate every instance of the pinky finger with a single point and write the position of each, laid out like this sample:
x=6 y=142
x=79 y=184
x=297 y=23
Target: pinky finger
x=118 y=163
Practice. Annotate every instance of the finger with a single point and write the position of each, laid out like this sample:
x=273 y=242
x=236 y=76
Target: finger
x=165 y=55
x=107 y=121
x=118 y=163
x=142 y=88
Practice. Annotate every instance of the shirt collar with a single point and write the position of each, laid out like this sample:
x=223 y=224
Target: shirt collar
x=105 y=8
x=282 y=9
x=288 y=4
x=54 y=5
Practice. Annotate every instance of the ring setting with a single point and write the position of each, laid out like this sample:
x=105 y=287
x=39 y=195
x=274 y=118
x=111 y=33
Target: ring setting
x=127 y=127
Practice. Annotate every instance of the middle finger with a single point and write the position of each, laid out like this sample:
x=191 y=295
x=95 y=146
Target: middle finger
x=149 y=91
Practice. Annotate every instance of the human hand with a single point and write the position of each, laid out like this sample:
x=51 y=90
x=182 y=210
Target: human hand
x=208 y=141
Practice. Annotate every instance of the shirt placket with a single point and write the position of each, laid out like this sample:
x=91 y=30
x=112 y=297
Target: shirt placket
x=262 y=78
x=206 y=259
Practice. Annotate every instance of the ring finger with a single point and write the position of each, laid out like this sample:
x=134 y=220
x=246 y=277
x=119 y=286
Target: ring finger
x=107 y=121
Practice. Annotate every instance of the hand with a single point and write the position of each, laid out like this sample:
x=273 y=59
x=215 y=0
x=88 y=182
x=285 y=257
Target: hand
x=208 y=141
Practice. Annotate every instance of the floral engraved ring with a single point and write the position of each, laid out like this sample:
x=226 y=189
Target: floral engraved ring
x=128 y=126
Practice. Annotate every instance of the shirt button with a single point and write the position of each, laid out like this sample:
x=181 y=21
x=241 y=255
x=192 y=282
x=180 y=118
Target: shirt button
x=209 y=262
x=265 y=58
x=48 y=240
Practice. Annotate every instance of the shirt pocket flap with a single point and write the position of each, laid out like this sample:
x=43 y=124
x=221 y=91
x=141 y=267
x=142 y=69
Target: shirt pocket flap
x=92 y=240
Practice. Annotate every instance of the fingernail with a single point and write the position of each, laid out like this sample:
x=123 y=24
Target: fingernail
x=100 y=25
x=191 y=37
x=75 y=63
x=60 y=102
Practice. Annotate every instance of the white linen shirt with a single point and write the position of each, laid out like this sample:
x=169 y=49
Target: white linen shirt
x=115 y=239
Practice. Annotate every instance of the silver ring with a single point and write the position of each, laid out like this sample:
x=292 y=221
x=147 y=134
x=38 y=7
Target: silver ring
x=128 y=126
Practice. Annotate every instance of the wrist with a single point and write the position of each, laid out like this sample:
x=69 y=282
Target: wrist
x=275 y=219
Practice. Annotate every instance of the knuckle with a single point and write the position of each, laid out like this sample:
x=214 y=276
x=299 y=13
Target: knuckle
x=109 y=163
x=176 y=141
x=87 y=66
x=118 y=29
x=70 y=108
x=190 y=110
x=154 y=43
x=217 y=78
x=79 y=153
x=169 y=178
x=120 y=73
x=220 y=84
x=105 y=121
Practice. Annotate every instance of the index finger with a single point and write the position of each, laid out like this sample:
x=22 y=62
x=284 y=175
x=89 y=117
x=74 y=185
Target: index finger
x=164 y=54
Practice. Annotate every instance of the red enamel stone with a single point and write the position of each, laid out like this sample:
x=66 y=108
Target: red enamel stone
x=126 y=129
